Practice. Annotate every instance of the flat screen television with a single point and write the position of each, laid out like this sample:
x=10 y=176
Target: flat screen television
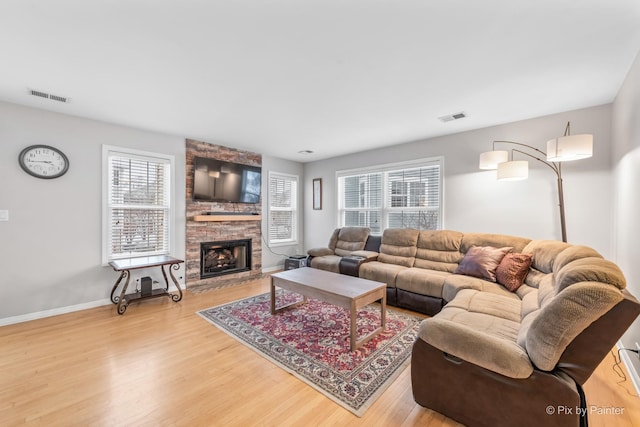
x=219 y=181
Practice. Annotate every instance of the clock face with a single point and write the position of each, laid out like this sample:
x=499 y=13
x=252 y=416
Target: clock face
x=43 y=161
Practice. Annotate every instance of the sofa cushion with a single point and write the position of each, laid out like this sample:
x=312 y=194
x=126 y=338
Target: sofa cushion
x=455 y=283
x=563 y=317
x=546 y=292
x=482 y=262
x=544 y=253
x=589 y=270
x=473 y=301
x=381 y=272
x=421 y=281
x=398 y=246
x=351 y=239
x=320 y=251
x=512 y=270
x=573 y=253
x=333 y=239
x=535 y=276
x=438 y=250
x=524 y=290
x=480 y=329
x=494 y=240
x=327 y=263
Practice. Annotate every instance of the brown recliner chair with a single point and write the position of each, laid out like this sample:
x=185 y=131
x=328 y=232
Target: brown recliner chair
x=345 y=241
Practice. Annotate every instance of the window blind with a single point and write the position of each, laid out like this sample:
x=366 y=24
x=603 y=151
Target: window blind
x=138 y=205
x=362 y=200
x=414 y=198
x=283 y=190
x=392 y=197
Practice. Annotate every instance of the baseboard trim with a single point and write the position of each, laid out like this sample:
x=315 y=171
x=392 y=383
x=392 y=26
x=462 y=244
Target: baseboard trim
x=53 y=312
x=625 y=356
x=272 y=269
x=62 y=310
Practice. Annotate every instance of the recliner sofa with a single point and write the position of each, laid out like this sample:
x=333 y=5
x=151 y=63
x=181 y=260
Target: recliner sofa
x=344 y=242
x=495 y=354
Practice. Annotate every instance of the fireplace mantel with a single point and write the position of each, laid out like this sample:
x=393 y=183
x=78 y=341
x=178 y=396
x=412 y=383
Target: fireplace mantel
x=219 y=218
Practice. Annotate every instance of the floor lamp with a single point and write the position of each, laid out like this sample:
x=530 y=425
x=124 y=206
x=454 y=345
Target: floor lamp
x=562 y=149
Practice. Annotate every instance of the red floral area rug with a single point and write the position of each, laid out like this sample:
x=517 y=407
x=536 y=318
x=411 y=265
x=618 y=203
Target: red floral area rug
x=311 y=341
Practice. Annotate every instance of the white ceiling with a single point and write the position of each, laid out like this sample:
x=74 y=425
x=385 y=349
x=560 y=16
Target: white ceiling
x=332 y=76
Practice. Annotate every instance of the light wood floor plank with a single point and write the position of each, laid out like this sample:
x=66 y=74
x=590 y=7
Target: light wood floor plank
x=160 y=364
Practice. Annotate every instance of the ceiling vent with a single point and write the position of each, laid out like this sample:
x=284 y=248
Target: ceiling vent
x=46 y=95
x=452 y=117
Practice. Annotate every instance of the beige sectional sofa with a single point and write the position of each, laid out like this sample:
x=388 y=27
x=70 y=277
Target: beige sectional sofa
x=493 y=356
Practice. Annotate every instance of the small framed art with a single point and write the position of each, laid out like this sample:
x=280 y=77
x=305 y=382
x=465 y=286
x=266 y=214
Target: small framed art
x=317 y=193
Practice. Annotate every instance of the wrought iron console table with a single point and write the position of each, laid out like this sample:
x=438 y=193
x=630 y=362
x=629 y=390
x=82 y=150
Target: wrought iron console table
x=124 y=266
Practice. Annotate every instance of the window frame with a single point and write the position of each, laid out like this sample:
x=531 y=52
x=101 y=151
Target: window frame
x=109 y=151
x=386 y=199
x=295 y=209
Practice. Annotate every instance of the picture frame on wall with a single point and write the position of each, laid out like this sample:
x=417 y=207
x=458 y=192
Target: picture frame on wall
x=317 y=194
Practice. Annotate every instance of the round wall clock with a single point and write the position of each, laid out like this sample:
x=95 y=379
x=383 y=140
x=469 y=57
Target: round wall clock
x=43 y=161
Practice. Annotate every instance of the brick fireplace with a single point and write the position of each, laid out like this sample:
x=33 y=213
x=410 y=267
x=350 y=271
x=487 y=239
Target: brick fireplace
x=239 y=228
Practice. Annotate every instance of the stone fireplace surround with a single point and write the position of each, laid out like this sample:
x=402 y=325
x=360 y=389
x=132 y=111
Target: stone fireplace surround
x=198 y=232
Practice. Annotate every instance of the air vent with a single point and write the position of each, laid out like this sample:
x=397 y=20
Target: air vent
x=452 y=117
x=46 y=95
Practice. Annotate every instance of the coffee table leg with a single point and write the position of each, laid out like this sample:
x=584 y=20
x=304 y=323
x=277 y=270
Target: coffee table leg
x=353 y=327
x=273 y=297
x=353 y=338
x=275 y=310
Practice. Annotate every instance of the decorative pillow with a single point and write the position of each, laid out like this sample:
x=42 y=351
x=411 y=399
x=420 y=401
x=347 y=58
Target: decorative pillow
x=482 y=262
x=513 y=269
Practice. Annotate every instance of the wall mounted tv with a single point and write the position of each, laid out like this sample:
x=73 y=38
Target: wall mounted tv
x=219 y=181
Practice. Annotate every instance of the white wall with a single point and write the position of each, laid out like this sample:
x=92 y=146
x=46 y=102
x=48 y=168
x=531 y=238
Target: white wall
x=273 y=258
x=626 y=176
x=476 y=202
x=50 y=249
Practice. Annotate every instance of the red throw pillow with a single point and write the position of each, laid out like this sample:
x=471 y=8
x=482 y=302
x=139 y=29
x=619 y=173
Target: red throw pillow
x=513 y=269
x=482 y=261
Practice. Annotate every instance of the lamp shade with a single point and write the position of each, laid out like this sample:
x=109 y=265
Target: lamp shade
x=491 y=159
x=513 y=171
x=572 y=147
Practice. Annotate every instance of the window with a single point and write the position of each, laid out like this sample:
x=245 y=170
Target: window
x=407 y=195
x=137 y=195
x=283 y=209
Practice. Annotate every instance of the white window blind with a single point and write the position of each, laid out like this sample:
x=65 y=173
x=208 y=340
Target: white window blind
x=398 y=196
x=362 y=201
x=283 y=208
x=138 y=205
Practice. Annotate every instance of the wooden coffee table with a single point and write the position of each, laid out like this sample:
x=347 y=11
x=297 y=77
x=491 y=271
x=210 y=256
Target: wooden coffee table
x=350 y=293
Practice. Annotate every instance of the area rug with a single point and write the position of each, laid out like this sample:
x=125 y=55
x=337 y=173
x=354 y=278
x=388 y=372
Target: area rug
x=311 y=341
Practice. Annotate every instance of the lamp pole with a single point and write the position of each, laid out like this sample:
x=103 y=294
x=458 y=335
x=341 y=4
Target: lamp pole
x=556 y=167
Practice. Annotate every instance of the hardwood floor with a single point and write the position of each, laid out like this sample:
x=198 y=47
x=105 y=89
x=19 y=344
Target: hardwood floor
x=160 y=364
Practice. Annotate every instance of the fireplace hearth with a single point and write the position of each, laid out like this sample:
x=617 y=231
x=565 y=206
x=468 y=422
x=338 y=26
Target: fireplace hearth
x=224 y=257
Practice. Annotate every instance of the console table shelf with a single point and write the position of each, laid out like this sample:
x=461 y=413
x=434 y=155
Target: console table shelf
x=219 y=218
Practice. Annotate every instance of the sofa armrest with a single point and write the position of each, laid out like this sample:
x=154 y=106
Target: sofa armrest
x=367 y=255
x=319 y=251
x=487 y=351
